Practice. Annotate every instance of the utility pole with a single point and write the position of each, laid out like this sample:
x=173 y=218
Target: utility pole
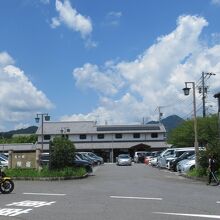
x=203 y=96
x=160 y=113
x=203 y=90
x=218 y=97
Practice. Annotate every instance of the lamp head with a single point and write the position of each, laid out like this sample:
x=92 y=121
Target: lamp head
x=186 y=91
x=47 y=118
x=37 y=119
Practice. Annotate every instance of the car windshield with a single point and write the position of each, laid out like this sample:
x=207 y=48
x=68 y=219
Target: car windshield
x=92 y=154
x=3 y=156
x=179 y=153
x=183 y=155
x=124 y=156
x=168 y=153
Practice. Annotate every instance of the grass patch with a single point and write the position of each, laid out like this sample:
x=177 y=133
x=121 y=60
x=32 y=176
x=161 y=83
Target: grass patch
x=197 y=172
x=45 y=172
x=200 y=172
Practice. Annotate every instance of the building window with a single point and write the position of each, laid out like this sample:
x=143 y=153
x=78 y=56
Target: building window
x=82 y=136
x=154 y=135
x=46 y=137
x=136 y=135
x=100 y=136
x=118 y=136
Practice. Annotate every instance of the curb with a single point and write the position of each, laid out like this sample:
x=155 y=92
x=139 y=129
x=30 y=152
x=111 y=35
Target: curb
x=51 y=178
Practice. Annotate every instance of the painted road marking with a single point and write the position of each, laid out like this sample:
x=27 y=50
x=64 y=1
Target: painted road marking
x=218 y=202
x=13 y=212
x=191 y=215
x=131 y=197
x=45 y=194
x=28 y=203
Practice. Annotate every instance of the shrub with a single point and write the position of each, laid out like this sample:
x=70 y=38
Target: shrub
x=62 y=153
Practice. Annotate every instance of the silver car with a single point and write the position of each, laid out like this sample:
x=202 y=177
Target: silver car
x=124 y=160
x=186 y=165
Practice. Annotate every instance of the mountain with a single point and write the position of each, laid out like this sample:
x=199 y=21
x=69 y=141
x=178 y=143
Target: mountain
x=29 y=130
x=170 y=122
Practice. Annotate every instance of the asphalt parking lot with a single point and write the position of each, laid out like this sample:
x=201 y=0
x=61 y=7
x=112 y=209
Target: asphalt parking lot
x=112 y=192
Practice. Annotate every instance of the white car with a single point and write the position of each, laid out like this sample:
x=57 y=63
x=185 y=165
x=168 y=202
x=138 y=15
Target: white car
x=3 y=161
x=153 y=161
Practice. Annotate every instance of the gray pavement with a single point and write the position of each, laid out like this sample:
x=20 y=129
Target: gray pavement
x=126 y=193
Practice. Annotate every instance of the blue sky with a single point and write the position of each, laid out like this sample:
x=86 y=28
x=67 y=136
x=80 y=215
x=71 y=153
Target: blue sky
x=109 y=61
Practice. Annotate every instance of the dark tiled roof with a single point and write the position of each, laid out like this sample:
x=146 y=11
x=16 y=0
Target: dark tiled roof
x=128 y=128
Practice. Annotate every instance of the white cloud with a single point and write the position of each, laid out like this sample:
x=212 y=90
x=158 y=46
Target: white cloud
x=112 y=111
x=113 y=18
x=155 y=78
x=19 y=98
x=215 y=2
x=215 y=38
x=71 y=18
x=92 y=77
x=89 y=44
x=5 y=59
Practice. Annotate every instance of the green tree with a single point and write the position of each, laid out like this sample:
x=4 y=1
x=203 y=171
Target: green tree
x=207 y=129
x=182 y=136
x=208 y=137
x=19 y=139
x=62 y=153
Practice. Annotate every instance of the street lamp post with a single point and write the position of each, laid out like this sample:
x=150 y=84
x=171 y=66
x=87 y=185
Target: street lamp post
x=46 y=117
x=196 y=145
x=218 y=97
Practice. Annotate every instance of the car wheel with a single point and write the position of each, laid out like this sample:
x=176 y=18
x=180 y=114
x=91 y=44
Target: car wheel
x=192 y=167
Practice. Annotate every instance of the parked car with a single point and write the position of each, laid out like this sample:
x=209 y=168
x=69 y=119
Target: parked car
x=185 y=165
x=124 y=159
x=172 y=163
x=139 y=156
x=94 y=156
x=77 y=162
x=171 y=154
x=83 y=156
x=3 y=160
x=153 y=154
x=153 y=161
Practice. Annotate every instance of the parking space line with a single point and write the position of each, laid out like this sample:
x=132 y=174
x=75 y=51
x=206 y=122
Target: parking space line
x=131 y=197
x=44 y=194
x=190 y=215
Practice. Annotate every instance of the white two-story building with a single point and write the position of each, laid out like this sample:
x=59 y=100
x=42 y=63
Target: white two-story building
x=105 y=140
